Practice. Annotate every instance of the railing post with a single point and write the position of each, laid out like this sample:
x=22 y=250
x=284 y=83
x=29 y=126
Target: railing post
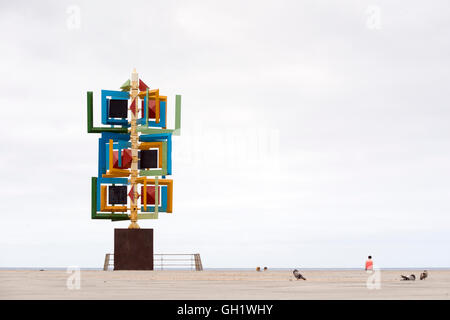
x=198 y=262
x=106 y=265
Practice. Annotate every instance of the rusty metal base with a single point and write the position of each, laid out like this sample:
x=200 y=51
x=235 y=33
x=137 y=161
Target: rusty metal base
x=133 y=249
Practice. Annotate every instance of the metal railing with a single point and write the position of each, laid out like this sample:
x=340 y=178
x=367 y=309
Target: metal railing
x=166 y=261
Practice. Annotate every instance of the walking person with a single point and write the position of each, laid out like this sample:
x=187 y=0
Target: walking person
x=369 y=263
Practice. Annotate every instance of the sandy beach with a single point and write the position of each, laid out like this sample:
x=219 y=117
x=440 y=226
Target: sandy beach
x=320 y=284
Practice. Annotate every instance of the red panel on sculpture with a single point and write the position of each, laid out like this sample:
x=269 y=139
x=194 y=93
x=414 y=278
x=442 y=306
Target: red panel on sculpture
x=142 y=85
x=133 y=106
x=151 y=195
x=126 y=159
x=151 y=109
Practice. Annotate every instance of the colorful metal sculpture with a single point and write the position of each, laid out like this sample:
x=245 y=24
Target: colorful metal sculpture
x=134 y=151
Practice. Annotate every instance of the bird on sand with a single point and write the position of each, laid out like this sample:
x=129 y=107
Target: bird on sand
x=298 y=275
x=410 y=278
x=424 y=275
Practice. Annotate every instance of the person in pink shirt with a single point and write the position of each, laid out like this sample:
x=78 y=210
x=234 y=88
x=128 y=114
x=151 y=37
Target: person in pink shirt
x=369 y=263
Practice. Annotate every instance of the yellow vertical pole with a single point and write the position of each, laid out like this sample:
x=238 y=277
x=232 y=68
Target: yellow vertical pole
x=134 y=150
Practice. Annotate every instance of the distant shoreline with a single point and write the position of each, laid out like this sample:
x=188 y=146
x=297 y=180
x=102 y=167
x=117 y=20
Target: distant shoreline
x=231 y=269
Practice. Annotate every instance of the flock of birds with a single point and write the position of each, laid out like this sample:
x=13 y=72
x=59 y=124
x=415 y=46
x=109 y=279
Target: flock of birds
x=412 y=277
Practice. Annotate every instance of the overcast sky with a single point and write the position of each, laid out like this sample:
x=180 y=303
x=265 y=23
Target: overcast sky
x=313 y=133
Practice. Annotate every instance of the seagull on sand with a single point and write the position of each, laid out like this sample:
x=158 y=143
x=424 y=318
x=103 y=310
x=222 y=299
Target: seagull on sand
x=411 y=277
x=298 y=275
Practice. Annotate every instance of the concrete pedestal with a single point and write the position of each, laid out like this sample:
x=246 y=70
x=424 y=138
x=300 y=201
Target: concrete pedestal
x=133 y=249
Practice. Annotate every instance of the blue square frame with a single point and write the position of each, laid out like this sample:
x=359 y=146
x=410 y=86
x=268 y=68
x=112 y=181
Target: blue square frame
x=118 y=95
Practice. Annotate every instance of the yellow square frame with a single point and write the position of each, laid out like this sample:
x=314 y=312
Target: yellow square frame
x=158 y=182
x=151 y=145
x=104 y=207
